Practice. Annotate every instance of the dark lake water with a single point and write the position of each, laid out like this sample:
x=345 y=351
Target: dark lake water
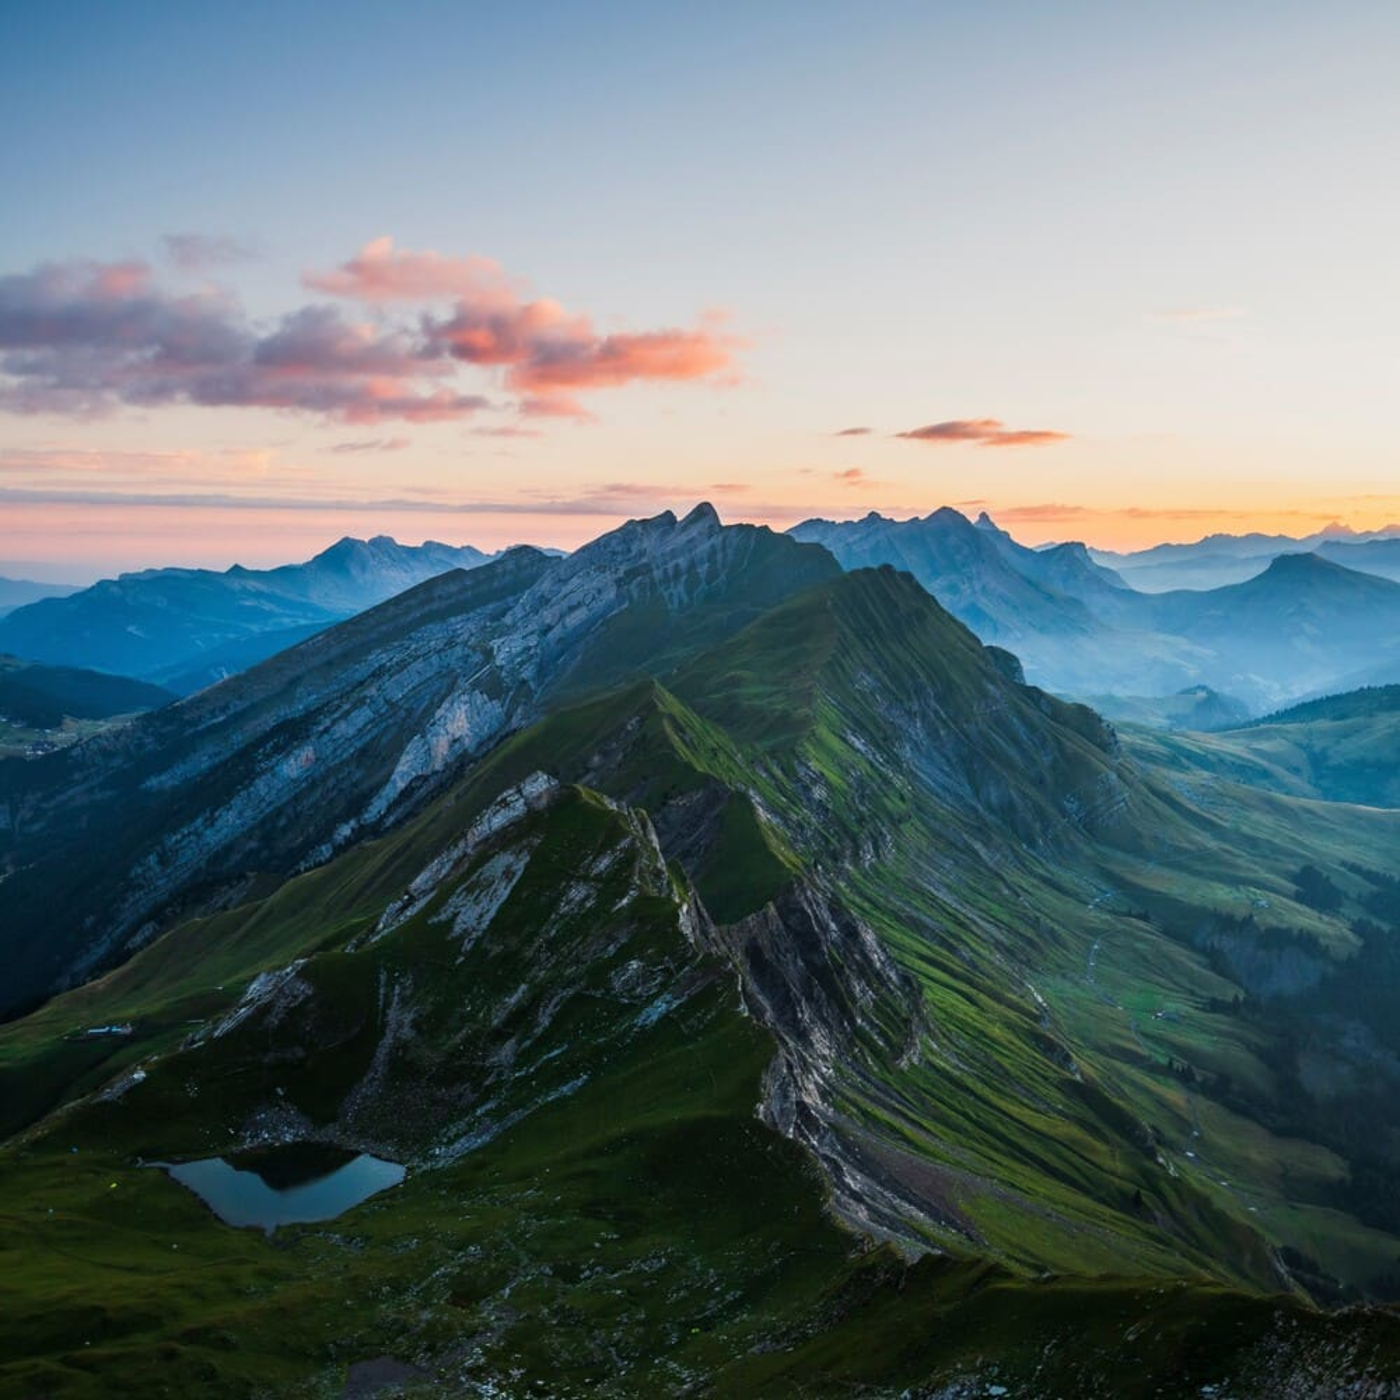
x=289 y=1185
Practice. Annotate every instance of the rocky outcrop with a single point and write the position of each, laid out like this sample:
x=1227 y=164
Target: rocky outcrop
x=825 y=987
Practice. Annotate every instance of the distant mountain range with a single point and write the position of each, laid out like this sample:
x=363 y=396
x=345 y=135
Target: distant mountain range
x=766 y=992
x=186 y=628
x=1218 y=560
x=1296 y=623
x=1195 y=708
x=17 y=592
x=1302 y=625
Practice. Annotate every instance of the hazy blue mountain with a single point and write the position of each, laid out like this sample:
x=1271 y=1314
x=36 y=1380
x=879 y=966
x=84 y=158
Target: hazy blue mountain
x=17 y=592
x=1219 y=560
x=218 y=663
x=1072 y=623
x=1381 y=557
x=976 y=573
x=186 y=626
x=1296 y=629
x=1300 y=625
x=1068 y=568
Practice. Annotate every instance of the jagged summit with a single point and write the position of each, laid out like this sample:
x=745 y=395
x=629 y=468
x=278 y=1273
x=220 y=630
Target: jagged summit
x=702 y=514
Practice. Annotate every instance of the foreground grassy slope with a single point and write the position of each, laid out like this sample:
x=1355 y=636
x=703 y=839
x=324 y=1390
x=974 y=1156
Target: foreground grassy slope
x=638 y=1231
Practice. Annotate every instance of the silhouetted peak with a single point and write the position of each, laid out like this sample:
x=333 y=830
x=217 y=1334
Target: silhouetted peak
x=704 y=514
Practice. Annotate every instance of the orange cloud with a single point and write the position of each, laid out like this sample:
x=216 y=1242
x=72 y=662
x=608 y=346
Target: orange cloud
x=985 y=432
x=585 y=361
x=548 y=352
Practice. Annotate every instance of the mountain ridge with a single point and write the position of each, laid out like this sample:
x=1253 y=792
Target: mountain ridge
x=743 y=840
x=335 y=736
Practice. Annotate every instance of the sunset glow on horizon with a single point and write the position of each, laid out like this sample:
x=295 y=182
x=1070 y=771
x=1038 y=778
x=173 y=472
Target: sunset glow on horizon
x=835 y=262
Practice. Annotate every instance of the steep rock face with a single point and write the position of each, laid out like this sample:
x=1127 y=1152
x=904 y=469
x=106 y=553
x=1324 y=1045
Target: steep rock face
x=340 y=736
x=825 y=987
x=523 y=959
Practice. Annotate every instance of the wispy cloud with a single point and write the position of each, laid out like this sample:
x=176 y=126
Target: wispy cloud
x=984 y=432
x=507 y=430
x=202 y=252
x=854 y=432
x=370 y=445
x=41 y=462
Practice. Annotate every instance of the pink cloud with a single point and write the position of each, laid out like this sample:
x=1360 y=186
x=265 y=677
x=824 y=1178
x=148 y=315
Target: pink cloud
x=83 y=339
x=585 y=361
x=985 y=432
x=381 y=273
x=543 y=347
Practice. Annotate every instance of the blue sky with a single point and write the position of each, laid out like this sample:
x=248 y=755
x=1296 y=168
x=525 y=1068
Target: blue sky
x=1164 y=231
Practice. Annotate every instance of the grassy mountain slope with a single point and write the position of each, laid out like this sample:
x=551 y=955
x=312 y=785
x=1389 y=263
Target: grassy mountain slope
x=43 y=708
x=989 y=970
x=42 y=697
x=1344 y=748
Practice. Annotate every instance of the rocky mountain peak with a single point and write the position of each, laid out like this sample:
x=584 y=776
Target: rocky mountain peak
x=702 y=516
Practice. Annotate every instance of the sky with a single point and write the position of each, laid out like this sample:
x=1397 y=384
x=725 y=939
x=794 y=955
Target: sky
x=273 y=274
